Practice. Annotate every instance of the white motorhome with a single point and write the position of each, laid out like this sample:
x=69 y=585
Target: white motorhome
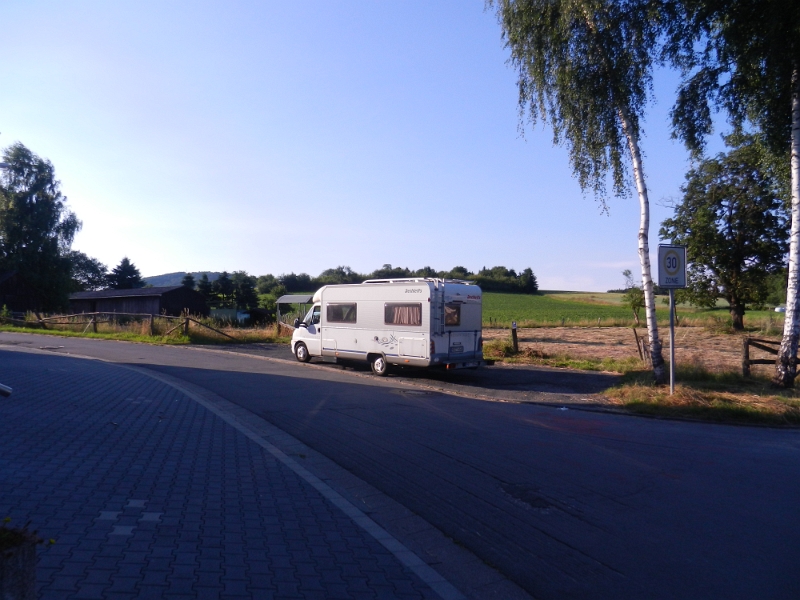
x=423 y=322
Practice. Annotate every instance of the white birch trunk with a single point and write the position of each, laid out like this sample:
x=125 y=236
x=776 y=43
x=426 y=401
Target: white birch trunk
x=786 y=363
x=657 y=359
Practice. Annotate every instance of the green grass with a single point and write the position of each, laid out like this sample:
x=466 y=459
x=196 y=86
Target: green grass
x=134 y=332
x=503 y=350
x=583 y=309
x=552 y=309
x=112 y=335
x=700 y=394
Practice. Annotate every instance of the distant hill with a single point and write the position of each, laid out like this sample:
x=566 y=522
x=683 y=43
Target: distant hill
x=169 y=279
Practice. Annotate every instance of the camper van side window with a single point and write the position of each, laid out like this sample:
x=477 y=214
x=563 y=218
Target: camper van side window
x=402 y=314
x=452 y=314
x=341 y=313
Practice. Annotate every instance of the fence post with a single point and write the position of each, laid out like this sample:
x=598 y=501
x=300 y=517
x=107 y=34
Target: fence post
x=746 y=356
x=151 y=325
x=514 y=341
x=94 y=323
x=186 y=327
x=638 y=345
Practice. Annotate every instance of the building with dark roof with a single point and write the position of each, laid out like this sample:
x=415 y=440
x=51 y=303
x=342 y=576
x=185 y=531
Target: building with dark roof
x=170 y=300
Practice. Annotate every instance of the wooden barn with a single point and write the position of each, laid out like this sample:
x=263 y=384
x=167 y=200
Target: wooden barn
x=153 y=301
x=15 y=294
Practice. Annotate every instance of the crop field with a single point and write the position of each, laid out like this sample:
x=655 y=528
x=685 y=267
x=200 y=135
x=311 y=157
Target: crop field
x=552 y=309
x=584 y=309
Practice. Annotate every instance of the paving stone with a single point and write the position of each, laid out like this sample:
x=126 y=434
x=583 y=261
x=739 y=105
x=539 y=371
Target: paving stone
x=171 y=501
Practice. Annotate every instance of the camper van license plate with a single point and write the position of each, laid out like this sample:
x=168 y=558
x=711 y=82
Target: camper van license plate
x=456 y=349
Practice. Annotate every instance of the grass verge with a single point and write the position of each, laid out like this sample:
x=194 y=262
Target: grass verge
x=699 y=394
x=134 y=333
x=503 y=350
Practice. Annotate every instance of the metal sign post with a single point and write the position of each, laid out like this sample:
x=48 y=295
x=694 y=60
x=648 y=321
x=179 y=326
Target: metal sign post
x=671 y=276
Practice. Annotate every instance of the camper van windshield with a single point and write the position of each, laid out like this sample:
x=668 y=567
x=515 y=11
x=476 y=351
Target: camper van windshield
x=312 y=316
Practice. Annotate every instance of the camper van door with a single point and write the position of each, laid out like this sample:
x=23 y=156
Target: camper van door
x=312 y=331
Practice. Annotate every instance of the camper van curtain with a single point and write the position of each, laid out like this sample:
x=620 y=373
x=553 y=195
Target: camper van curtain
x=403 y=314
x=452 y=314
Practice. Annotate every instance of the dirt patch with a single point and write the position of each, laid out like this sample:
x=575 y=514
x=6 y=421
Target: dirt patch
x=698 y=346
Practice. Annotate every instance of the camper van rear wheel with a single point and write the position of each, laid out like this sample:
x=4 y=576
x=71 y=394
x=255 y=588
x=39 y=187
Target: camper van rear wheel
x=301 y=352
x=379 y=366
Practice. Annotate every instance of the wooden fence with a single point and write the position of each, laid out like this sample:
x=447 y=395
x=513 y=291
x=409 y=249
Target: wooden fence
x=112 y=317
x=643 y=347
x=769 y=346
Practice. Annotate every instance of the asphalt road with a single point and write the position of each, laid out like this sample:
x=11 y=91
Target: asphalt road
x=565 y=503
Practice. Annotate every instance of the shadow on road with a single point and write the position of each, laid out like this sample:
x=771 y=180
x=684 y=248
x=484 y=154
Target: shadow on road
x=495 y=380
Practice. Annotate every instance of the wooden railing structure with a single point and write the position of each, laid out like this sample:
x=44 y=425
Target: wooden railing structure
x=112 y=317
x=769 y=346
x=643 y=347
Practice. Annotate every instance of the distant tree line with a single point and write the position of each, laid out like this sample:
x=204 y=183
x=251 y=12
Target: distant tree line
x=496 y=279
x=235 y=290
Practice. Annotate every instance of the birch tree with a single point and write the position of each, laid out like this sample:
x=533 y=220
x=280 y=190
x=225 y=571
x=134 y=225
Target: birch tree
x=36 y=227
x=748 y=64
x=585 y=68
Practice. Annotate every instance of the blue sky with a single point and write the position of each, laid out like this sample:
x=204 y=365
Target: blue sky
x=296 y=136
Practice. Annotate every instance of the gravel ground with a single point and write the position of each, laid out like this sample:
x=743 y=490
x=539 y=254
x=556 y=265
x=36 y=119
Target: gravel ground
x=695 y=345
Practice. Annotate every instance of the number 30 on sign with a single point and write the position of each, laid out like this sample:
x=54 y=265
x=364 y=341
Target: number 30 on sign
x=672 y=266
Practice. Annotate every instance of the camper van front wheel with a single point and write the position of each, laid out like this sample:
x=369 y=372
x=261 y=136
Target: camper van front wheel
x=301 y=352
x=379 y=366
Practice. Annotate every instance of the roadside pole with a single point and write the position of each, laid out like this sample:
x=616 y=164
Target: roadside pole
x=671 y=341
x=671 y=276
x=514 y=341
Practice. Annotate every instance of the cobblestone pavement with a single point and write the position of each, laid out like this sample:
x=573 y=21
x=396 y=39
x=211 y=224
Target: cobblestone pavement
x=501 y=499
x=150 y=495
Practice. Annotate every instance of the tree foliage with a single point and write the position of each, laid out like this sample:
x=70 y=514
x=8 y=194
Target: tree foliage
x=88 y=274
x=36 y=228
x=580 y=64
x=188 y=281
x=501 y=279
x=222 y=288
x=204 y=286
x=496 y=279
x=244 y=290
x=733 y=222
x=125 y=276
x=585 y=68
x=339 y=275
x=743 y=56
x=632 y=295
x=739 y=56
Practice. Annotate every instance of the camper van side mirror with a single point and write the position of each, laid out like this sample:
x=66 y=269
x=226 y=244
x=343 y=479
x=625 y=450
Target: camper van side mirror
x=296 y=323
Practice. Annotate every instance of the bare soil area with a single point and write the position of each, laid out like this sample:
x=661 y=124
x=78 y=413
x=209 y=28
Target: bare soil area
x=717 y=352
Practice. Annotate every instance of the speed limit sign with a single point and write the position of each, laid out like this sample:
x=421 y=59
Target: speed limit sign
x=672 y=266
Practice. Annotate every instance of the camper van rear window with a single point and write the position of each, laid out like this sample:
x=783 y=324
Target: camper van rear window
x=341 y=313
x=452 y=314
x=403 y=314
